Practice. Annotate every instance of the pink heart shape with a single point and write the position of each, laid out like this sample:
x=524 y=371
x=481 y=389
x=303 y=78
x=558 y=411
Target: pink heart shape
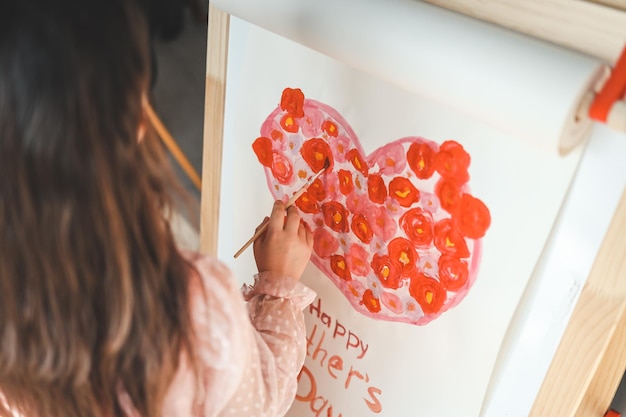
x=397 y=231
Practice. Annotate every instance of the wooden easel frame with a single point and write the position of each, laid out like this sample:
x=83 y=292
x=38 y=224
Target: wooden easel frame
x=591 y=357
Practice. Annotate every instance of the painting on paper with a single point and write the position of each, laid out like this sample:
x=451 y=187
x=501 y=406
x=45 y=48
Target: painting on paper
x=397 y=231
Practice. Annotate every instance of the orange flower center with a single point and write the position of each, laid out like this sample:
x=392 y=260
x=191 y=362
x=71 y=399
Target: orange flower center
x=429 y=297
x=403 y=194
x=404 y=258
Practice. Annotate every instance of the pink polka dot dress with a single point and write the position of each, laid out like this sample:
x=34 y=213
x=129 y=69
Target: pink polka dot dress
x=250 y=348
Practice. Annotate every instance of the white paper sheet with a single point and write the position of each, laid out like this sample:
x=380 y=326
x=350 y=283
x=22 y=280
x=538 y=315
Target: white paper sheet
x=441 y=369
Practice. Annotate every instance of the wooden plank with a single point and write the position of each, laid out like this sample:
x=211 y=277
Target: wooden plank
x=598 y=397
x=591 y=28
x=617 y=4
x=590 y=347
x=217 y=53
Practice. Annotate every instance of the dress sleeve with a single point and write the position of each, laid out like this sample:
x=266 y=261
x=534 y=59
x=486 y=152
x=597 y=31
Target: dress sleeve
x=250 y=348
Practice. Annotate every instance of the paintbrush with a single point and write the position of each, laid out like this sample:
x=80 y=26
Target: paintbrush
x=263 y=226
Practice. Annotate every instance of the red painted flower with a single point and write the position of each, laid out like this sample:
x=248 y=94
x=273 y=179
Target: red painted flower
x=403 y=251
x=316 y=190
x=361 y=228
x=387 y=270
x=354 y=156
x=382 y=224
x=392 y=302
x=472 y=217
x=370 y=302
x=428 y=293
x=449 y=239
x=339 y=266
x=307 y=203
x=281 y=168
x=289 y=124
x=324 y=243
x=357 y=260
x=449 y=193
x=403 y=191
x=418 y=226
x=391 y=161
x=292 y=101
x=345 y=181
x=277 y=134
x=421 y=158
x=453 y=272
x=452 y=162
x=376 y=189
x=330 y=128
x=262 y=147
x=315 y=152
x=335 y=216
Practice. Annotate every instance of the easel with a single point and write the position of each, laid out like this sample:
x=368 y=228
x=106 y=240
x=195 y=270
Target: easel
x=591 y=358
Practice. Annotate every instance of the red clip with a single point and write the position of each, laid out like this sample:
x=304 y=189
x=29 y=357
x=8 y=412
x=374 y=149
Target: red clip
x=612 y=413
x=612 y=91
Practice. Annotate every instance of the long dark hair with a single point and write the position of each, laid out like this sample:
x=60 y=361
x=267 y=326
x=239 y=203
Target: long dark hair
x=93 y=293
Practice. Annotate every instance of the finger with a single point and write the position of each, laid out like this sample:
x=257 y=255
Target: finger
x=277 y=217
x=262 y=226
x=302 y=231
x=309 y=237
x=293 y=220
x=265 y=220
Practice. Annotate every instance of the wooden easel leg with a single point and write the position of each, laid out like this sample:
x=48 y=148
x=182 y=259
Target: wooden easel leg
x=217 y=51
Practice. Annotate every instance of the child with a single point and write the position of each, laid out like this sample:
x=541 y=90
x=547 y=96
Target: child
x=100 y=314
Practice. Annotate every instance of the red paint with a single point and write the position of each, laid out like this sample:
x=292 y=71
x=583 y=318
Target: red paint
x=387 y=270
x=346 y=186
x=339 y=266
x=361 y=228
x=449 y=239
x=376 y=190
x=452 y=162
x=403 y=191
x=453 y=272
x=397 y=230
x=402 y=251
x=335 y=216
x=370 y=302
x=428 y=292
x=359 y=163
x=262 y=147
x=315 y=152
x=472 y=217
x=292 y=101
x=417 y=224
x=421 y=158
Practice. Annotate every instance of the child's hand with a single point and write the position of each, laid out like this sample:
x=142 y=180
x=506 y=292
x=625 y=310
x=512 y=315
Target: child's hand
x=285 y=248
